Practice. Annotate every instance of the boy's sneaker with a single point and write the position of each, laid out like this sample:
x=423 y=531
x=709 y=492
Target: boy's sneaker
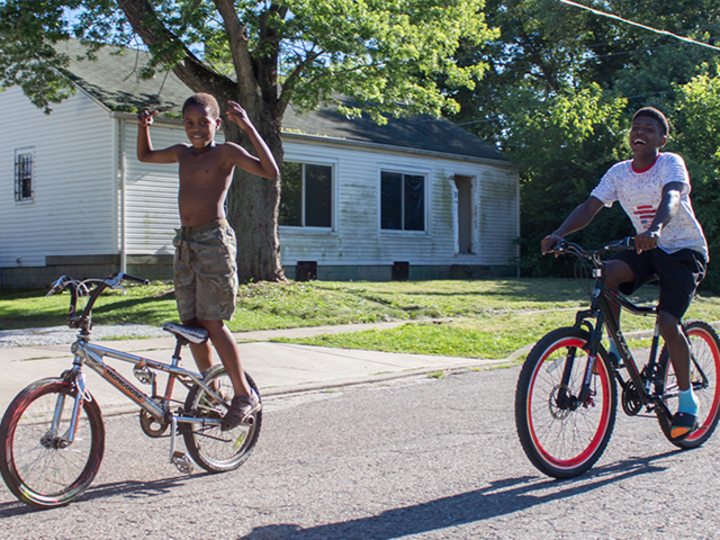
x=241 y=407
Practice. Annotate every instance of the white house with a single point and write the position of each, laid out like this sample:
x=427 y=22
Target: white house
x=418 y=198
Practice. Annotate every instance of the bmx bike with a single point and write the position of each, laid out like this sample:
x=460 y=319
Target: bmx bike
x=53 y=434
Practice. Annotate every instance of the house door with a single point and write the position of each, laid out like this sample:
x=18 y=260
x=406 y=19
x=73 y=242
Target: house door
x=464 y=186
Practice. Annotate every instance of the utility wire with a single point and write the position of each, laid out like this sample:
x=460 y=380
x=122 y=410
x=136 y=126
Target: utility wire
x=632 y=23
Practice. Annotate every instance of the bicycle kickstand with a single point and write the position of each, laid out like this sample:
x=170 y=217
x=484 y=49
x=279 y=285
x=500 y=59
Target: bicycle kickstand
x=180 y=459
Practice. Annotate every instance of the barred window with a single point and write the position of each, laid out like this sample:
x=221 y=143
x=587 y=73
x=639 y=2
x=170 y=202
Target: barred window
x=23 y=175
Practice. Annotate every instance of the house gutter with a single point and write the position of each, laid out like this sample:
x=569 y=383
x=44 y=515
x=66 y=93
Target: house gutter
x=322 y=140
x=120 y=176
x=123 y=205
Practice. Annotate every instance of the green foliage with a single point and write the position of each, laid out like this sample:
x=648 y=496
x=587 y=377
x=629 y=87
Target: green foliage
x=443 y=340
x=558 y=94
x=27 y=56
x=152 y=305
x=697 y=122
x=563 y=147
x=384 y=54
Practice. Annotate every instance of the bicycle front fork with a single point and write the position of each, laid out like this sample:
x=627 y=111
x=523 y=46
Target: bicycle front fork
x=51 y=439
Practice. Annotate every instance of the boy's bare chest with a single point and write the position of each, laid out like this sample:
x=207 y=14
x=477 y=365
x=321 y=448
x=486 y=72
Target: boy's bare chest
x=202 y=167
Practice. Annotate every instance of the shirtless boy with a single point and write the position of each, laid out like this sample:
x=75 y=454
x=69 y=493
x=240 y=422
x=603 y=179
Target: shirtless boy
x=205 y=271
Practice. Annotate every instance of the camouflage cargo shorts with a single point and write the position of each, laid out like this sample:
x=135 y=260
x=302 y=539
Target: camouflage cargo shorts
x=205 y=271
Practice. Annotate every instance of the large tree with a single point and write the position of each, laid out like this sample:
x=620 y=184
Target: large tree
x=384 y=54
x=560 y=88
x=545 y=49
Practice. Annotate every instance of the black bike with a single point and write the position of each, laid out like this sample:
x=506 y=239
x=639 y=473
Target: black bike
x=566 y=396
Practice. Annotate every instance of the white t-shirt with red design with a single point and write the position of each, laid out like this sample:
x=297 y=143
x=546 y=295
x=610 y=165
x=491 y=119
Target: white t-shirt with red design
x=640 y=194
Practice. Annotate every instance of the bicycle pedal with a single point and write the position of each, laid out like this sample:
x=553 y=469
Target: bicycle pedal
x=183 y=462
x=249 y=420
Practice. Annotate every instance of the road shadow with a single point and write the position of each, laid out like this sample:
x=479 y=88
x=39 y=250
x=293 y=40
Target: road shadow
x=499 y=498
x=131 y=489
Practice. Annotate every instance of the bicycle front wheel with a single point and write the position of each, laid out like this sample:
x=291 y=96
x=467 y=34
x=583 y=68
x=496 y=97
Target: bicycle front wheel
x=704 y=369
x=38 y=463
x=210 y=447
x=562 y=435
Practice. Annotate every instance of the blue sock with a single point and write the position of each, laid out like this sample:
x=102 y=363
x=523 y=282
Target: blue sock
x=689 y=402
x=613 y=347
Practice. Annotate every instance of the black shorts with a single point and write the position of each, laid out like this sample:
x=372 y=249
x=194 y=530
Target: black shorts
x=679 y=275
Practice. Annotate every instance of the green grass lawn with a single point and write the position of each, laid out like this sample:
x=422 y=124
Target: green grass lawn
x=478 y=318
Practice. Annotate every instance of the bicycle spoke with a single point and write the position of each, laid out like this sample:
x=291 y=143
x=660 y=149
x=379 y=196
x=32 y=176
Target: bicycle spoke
x=561 y=436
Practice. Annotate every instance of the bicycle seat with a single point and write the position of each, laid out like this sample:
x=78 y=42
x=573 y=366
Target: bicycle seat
x=190 y=333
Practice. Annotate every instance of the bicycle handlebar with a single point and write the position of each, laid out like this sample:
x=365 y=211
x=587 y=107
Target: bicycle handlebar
x=115 y=279
x=83 y=288
x=564 y=246
x=141 y=281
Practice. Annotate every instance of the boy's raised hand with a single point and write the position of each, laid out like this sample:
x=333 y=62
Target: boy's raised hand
x=145 y=118
x=238 y=115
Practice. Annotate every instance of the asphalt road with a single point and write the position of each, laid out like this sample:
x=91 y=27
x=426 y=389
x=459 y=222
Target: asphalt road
x=416 y=458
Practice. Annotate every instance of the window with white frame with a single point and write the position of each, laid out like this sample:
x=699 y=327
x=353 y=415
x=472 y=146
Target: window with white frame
x=306 y=199
x=402 y=201
x=24 y=175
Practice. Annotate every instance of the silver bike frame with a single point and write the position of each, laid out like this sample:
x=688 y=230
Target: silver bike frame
x=92 y=355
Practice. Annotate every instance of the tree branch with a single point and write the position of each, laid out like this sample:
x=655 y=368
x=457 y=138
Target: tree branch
x=538 y=60
x=190 y=70
x=238 y=38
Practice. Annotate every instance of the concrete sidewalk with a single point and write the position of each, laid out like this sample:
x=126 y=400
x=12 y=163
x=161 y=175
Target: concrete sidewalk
x=277 y=368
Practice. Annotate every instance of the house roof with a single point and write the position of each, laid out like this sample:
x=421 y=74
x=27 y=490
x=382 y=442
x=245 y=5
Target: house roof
x=114 y=80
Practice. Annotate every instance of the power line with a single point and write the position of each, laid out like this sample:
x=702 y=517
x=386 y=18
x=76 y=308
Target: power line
x=633 y=23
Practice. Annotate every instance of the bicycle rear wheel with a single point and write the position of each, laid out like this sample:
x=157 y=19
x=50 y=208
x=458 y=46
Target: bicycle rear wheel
x=210 y=447
x=37 y=463
x=704 y=369
x=562 y=436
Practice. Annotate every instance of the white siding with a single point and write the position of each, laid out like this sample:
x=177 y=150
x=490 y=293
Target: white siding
x=72 y=212
x=498 y=215
x=357 y=238
x=150 y=193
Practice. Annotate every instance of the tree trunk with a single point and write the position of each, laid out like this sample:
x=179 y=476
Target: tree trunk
x=252 y=207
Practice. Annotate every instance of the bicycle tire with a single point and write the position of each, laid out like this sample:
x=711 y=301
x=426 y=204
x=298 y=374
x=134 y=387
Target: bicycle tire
x=705 y=346
x=38 y=469
x=211 y=448
x=562 y=441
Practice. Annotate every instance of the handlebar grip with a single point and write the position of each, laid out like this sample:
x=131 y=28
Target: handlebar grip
x=141 y=281
x=626 y=243
x=58 y=285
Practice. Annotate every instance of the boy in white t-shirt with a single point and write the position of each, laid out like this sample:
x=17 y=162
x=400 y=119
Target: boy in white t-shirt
x=653 y=189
